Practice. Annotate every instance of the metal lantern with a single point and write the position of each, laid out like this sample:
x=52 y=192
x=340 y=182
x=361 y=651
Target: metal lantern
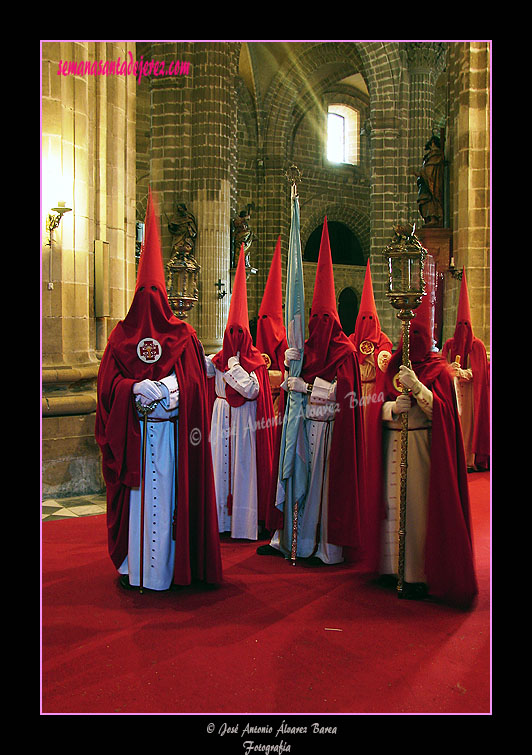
x=405 y=257
x=182 y=273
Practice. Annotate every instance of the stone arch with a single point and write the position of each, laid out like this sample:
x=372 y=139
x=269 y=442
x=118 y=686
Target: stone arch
x=316 y=68
x=355 y=220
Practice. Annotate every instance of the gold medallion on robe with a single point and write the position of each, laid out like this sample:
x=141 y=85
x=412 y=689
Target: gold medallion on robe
x=267 y=360
x=366 y=347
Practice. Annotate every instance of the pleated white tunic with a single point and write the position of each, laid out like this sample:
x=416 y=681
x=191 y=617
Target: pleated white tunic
x=312 y=520
x=418 y=474
x=159 y=499
x=233 y=448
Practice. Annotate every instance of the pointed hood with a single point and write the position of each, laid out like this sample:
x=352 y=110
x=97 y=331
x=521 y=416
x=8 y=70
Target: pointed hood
x=463 y=332
x=367 y=326
x=151 y=270
x=271 y=333
x=149 y=340
x=237 y=336
x=324 y=297
x=327 y=345
x=422 y=329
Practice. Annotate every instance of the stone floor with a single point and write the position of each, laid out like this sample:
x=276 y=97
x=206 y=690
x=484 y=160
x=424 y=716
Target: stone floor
x=81 y=505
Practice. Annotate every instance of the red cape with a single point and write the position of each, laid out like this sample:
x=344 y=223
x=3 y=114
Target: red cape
x=328 y=353
x=274 y=518
x=478 y=362
x=264 y=441
x=197 y=553
x=449 y=560
x=347 y=484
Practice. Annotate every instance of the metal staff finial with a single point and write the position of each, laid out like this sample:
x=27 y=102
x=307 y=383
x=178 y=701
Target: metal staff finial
x=293 y=176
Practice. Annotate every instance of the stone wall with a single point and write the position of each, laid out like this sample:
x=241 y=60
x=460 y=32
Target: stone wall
x=88 y=161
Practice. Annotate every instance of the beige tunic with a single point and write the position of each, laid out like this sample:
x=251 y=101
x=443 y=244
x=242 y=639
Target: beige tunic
x=418 y=473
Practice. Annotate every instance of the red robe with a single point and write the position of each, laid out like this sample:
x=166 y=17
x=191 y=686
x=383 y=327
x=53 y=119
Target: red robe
x=237 y=339
x=328 y=353
x=197 y=552
x=449 y=558
x=477 y=360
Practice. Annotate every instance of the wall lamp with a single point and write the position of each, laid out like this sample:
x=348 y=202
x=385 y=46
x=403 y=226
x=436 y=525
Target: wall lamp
x=456 y=274
x=52 y=222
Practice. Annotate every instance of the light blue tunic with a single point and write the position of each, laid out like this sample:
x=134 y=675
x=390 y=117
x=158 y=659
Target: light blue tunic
x=159 y=499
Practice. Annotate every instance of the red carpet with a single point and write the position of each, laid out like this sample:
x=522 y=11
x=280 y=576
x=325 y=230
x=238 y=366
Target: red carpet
x=273 y=639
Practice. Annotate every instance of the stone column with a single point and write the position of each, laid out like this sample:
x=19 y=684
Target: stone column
x=193 y=156
x=469 y=76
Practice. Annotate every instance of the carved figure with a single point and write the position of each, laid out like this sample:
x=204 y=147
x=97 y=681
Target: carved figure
x=430 y=184
x=184 y=229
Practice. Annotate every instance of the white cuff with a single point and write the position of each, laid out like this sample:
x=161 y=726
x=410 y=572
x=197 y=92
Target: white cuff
x=322 y=391
x=171 y=385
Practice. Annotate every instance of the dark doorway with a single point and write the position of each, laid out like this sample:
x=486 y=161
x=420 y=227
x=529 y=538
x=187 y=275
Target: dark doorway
x=345 y=247
x=348 y=310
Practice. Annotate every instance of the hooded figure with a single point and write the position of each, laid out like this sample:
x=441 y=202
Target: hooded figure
x=439 y=550
x=374 y=348
x=152 y=358
x=242 y=422
x=332 y=516
x=467 y=355
x=272 y=343
x=271 y=332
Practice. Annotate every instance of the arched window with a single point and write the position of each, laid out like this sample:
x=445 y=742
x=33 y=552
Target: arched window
x=343 y=129
x=345 y=247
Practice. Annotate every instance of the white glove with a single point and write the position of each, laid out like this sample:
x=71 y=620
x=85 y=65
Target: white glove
x=296 y=384
x=149 y=390
x=233 y=360
x=292 y=353
x=460 y=373
x=407 y=377
x=402 y=404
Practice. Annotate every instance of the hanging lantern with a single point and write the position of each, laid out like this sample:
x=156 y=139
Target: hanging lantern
x=406 y=258
x=182 y=273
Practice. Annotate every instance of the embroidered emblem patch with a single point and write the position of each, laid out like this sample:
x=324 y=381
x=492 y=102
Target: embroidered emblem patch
x=149 y=350
x=366 y=347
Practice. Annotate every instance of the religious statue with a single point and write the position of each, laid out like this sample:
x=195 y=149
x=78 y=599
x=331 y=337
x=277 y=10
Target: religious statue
x=242 y=234
x=182 y=270
x=430 y=184
x=184 y=230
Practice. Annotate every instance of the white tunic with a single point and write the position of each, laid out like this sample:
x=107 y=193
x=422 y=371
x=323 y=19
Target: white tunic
x=312 y=521
x=233 y=448
x=159 y=499
x=418 y=474
x=465 y=398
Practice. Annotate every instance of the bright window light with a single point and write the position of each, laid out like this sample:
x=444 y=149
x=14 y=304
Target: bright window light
x=335 y=138
x=343 y=134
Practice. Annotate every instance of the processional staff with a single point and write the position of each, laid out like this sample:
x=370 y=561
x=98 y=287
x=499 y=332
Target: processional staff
x=406 y=287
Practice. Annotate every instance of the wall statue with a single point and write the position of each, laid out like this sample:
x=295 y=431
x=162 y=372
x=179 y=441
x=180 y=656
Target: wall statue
x=430 y=184
x=184 y=230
